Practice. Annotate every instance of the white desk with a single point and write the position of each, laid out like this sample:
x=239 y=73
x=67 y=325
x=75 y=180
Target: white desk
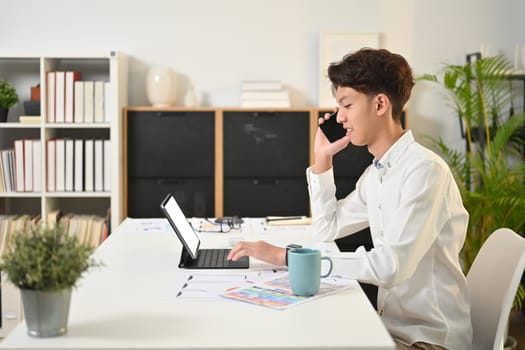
x=130 y=304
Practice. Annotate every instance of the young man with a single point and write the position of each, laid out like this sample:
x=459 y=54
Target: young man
x=408 y=198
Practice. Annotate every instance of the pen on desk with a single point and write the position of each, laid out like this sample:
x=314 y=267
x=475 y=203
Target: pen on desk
x=284 y=218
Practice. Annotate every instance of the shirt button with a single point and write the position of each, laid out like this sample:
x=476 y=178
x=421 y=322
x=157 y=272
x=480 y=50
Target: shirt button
x=381 y=180
x=381 y=313
x=379 y=206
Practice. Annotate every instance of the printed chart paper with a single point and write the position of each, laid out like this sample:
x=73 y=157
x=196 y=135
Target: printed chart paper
x=277 y=293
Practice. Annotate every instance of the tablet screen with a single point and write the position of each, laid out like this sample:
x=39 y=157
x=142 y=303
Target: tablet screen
x=180 y=225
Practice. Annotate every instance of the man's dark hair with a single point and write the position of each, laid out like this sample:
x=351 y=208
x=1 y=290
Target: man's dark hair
x=374 y=71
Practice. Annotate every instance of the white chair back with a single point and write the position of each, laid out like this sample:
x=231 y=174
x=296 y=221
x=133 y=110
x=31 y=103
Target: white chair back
x=492 y=281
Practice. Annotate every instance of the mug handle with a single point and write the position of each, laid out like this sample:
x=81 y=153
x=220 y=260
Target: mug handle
x=331 y=266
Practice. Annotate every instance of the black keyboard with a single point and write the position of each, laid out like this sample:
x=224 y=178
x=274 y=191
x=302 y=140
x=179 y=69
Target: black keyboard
x=212 y=259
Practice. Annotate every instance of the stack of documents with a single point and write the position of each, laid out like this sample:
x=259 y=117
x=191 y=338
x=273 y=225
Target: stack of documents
x=288 y=220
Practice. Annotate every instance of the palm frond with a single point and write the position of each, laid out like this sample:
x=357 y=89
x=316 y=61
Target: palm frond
x=491 y=173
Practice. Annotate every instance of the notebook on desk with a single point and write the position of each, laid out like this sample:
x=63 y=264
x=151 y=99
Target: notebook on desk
x=192 y=257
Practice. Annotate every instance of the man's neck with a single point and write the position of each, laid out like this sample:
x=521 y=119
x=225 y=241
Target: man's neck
x=385 y=140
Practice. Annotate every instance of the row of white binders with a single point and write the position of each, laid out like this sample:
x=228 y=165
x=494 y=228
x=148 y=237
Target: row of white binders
x=72 y=165
x=77 y=165
x=71 y=100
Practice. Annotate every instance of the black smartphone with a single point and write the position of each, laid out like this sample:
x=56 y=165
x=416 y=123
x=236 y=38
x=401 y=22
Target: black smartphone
x=332 y=129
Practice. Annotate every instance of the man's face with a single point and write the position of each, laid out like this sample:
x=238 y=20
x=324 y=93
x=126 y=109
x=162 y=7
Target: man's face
x=357 y=113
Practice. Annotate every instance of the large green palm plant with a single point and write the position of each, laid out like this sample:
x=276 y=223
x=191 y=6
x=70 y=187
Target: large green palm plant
x=490 y=172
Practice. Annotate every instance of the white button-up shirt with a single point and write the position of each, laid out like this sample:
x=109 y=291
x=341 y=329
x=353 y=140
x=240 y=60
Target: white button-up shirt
x=413 y=207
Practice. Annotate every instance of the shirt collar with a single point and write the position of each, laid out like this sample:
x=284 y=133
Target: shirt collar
x=394 y=152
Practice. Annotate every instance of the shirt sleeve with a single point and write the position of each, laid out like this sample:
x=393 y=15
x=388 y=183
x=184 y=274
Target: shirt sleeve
x=408 y=236
x=334 y=219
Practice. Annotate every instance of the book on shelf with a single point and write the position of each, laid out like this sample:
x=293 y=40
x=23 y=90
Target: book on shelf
x=53 y=217
x=11 y=154
x=7 y=155
x=19 y=166
x=107 y=101
x=96 y=231
x=88 y=166
x=107 y=226
x=78 y=106
x=5 y=231
x=89 y=90
x=60 y=164
x=50 y=97
x=98 y=102
x=99 y=165
x=79 y=165
x=2 y=179
x=60 y=96
x=261 y=85
x=5 y=170
x=28 y=165
x=37 y=165
x=29 y=119
x=69 y=165
x=107 y=165
x=70 y=79
x=51 y=165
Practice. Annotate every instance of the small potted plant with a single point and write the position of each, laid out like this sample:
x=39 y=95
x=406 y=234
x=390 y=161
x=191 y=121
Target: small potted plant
x=8 y=98
x=46 y=263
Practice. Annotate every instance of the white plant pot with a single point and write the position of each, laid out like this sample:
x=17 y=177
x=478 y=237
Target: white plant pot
x=161 y=86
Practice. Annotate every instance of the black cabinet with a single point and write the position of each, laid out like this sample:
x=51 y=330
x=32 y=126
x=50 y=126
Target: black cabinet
x=170 y=151
x=228 y=161
x=265 y=158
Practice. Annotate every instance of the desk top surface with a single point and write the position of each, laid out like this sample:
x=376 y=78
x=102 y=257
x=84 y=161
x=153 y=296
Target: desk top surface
x=131 y=302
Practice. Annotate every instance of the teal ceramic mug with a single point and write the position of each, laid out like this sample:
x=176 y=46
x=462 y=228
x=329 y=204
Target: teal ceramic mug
x=304 y=270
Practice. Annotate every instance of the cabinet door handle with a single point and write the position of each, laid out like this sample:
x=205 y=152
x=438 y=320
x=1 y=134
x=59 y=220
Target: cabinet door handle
x=265 y=114
x=171 y=182
x=171 y=114
x=266 y=181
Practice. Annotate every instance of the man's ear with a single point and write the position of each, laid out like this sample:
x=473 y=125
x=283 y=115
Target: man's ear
x=382 y=103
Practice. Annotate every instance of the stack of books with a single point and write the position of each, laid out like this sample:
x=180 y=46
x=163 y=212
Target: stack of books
x=20 y=167
x=71 y=100
x=263 y=94
x=89 y=229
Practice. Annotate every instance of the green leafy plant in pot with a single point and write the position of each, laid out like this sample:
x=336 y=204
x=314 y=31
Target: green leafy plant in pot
x=46 y=263
x=490 y=172
x=8 y=98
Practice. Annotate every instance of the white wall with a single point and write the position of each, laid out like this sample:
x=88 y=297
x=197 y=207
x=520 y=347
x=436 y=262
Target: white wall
x=214 y=44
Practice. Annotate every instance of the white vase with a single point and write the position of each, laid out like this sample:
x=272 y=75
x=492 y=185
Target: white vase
x=161 y=86
x=190 y=99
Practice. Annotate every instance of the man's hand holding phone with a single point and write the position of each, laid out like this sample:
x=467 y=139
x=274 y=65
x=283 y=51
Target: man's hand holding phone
x=329 y=140
x=332 y=129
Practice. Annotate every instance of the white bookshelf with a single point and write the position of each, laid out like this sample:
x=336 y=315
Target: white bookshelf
x=26 y=71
